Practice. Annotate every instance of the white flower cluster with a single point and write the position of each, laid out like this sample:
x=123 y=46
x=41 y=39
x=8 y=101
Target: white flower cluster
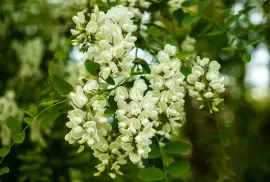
x=108 y=40
x=175 y=4
x=167 y=80
x=188 y=44
x=8 y=107
x=30 y=56
x=136 y=3
x=206 y=83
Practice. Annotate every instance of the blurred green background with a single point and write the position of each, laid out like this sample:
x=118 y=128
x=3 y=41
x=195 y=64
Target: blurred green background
x=34 y=37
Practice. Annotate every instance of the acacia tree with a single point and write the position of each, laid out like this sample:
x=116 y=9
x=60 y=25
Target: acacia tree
x=128 y=106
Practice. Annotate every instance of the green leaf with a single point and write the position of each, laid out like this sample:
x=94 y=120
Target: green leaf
x=189 y=20
x=80 y=149
x=155 y=32
x=225 y=140
x=144 y=64
x=32 y=111
x=110 y=81
x=155 y=152
x=4 y=170
x=151 y=174
x=4 y=151
x=48 y=103
x=49 y=116
x=92 y=67
x=28 y=120
x=203 y=5
x=215 y=32
x=13 y=124
x=19 y=138
x=178 y=167
x=234 y=18
x=179 y=147
x=61 y=86
x=246 y=57
x=221 y=12
x=188 y=3
x=231 y=48
x=254 y=43
x=111 y=109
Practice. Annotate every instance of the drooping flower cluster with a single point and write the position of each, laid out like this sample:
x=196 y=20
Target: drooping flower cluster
x=152 y=106
x=108 y=40
x=167 y=80
x=136 y=3
x=206 y=83
x=8 y=107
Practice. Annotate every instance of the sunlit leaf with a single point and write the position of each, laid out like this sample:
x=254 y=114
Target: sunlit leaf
x=246 y=57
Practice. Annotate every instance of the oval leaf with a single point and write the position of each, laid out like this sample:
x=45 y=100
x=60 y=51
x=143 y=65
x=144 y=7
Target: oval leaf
x=32 y=111
x=28 y=120
x=246 y=57
x=151 y=174
x=13 y=124
x=92 y=67
x=179 y=147
x=4 y=151
x=61 y=86
x=155 y=152
x=4 y=170
x=178 y=167
x=18 y=138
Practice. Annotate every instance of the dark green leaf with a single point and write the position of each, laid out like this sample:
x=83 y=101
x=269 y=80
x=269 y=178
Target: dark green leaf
x=49 y=116
x=222 y=12
x=28 y=120
x=151 y=174
x=61 y=86
x=155 y=152
x=155 y=32
x=178 y=167
x=13 y=124
x=234 y=18
x=179 y=147
x=110 y=81
x=189 y=20
x=246 y=57
x=18 y=138
x=215 y=32
x=4 y=151
x=92 y=67
x=4 y=170
x=112 y=106
x=188 y=3
x=32 y=111
x=203 y=5
x=225 y=140
x=144 y=64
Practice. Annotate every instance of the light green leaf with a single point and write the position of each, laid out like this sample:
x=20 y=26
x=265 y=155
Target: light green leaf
x=28 y=120
x=48 y=103
x=151 y=174
x=246 y=57
x=4 y=151
x=61 y=86
x=231 y=48
x=189 y=20
x=80 y=149
x=92 y=67
x=32 y=111
x=203 y=5
x=18 y=138
x=155 y=152
x=155 y=32
x=178 y=167
x=13 y=124
x=179 y=147
x=4 y=170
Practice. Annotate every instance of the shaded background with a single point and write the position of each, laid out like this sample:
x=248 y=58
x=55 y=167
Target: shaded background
x=39 y=29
